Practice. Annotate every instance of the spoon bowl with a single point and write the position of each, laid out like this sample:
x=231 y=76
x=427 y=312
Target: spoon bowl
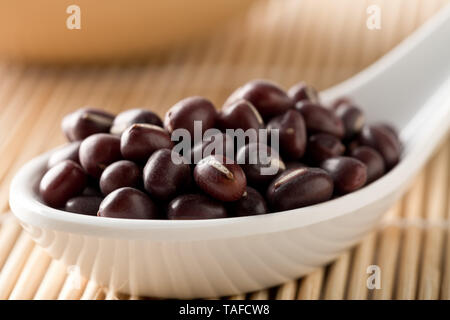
x=410 y=87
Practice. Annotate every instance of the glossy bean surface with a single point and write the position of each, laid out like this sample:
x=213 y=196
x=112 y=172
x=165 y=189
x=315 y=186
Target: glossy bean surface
x=240 y=114
x=297 y=188
x=352 y=117
x=260 y=163
x=62 y=182
x=129 y=117
x=68 y=152
x=98 y=151
x=165 y=175
x=87 y=205
x=373 y=161
x=302 y=91
x=84 y=122
x=195 y=206
x=128 y=203
x=221 y=178
x=139 y=141
x=292 y=133
x=252 y=203
x=382 y=140
x=120 y=174
x=268 y=98
x=185 y=112
x=322 y=146
x=349 y=174
x=320 y=120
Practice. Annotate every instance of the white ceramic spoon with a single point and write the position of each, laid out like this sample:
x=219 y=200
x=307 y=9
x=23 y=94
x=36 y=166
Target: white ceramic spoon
x=409 y=87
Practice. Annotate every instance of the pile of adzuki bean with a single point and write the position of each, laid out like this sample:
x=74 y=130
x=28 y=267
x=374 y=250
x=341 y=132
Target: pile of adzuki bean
x=120 y=166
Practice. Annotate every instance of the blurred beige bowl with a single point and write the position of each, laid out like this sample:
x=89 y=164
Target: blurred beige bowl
x=111 y=30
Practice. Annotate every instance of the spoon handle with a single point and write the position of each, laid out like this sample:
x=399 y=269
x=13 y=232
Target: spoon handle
x=397 y=86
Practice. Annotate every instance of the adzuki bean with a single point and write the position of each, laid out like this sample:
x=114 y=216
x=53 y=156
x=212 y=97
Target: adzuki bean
x=260 y=163
x=164 y=178
x=185 y=112
x=129 y=117
x=68 y=152
x=352 y=117
x=87 y=205
x=373 y=161
x=269 y=99
x=84 y=122
x=240 y=114
x=250 y=204
x=128 y=203
x=221 y=178
x=139 y=141
x=127 y=166
x=120 y=174
x=297 y=188
x=320 y=120
x=292 y=133
x=195 y=206
x=322 y=146
x=98 y=151
x=301 y=91
x=382 y=140
x=349 y=174
x=62 y=182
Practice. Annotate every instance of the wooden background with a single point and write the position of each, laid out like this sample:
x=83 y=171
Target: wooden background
x=320 y=41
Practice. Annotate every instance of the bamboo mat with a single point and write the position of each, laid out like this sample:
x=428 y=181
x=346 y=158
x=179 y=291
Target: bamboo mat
x=322 y=42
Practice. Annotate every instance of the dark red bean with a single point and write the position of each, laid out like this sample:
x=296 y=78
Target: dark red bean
x=269 y=99
x=373 y=161
x=352 y=145
x=294 y=165
x=221 y=178
x=129 y=117
x=390 y=128
x=128 y=203
x=120 y=174
x=297 y=188
x=322 y=146
x=349 y=174
x=139 y=141
x=84 y=205
x=68 y=152
x=92 y=190
x=252 y=203
x=240 y=114
x=98 y=151
x=195 y=206
x=383 y=141
x=185 y=112
x=352 y=117
x=260 y=164
x=320 y=120
x=218 y=144
x=339 y=101
x=84 y=122
x=292 y=133
x=165 y=175
x=62 y=182
x=301 y=91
